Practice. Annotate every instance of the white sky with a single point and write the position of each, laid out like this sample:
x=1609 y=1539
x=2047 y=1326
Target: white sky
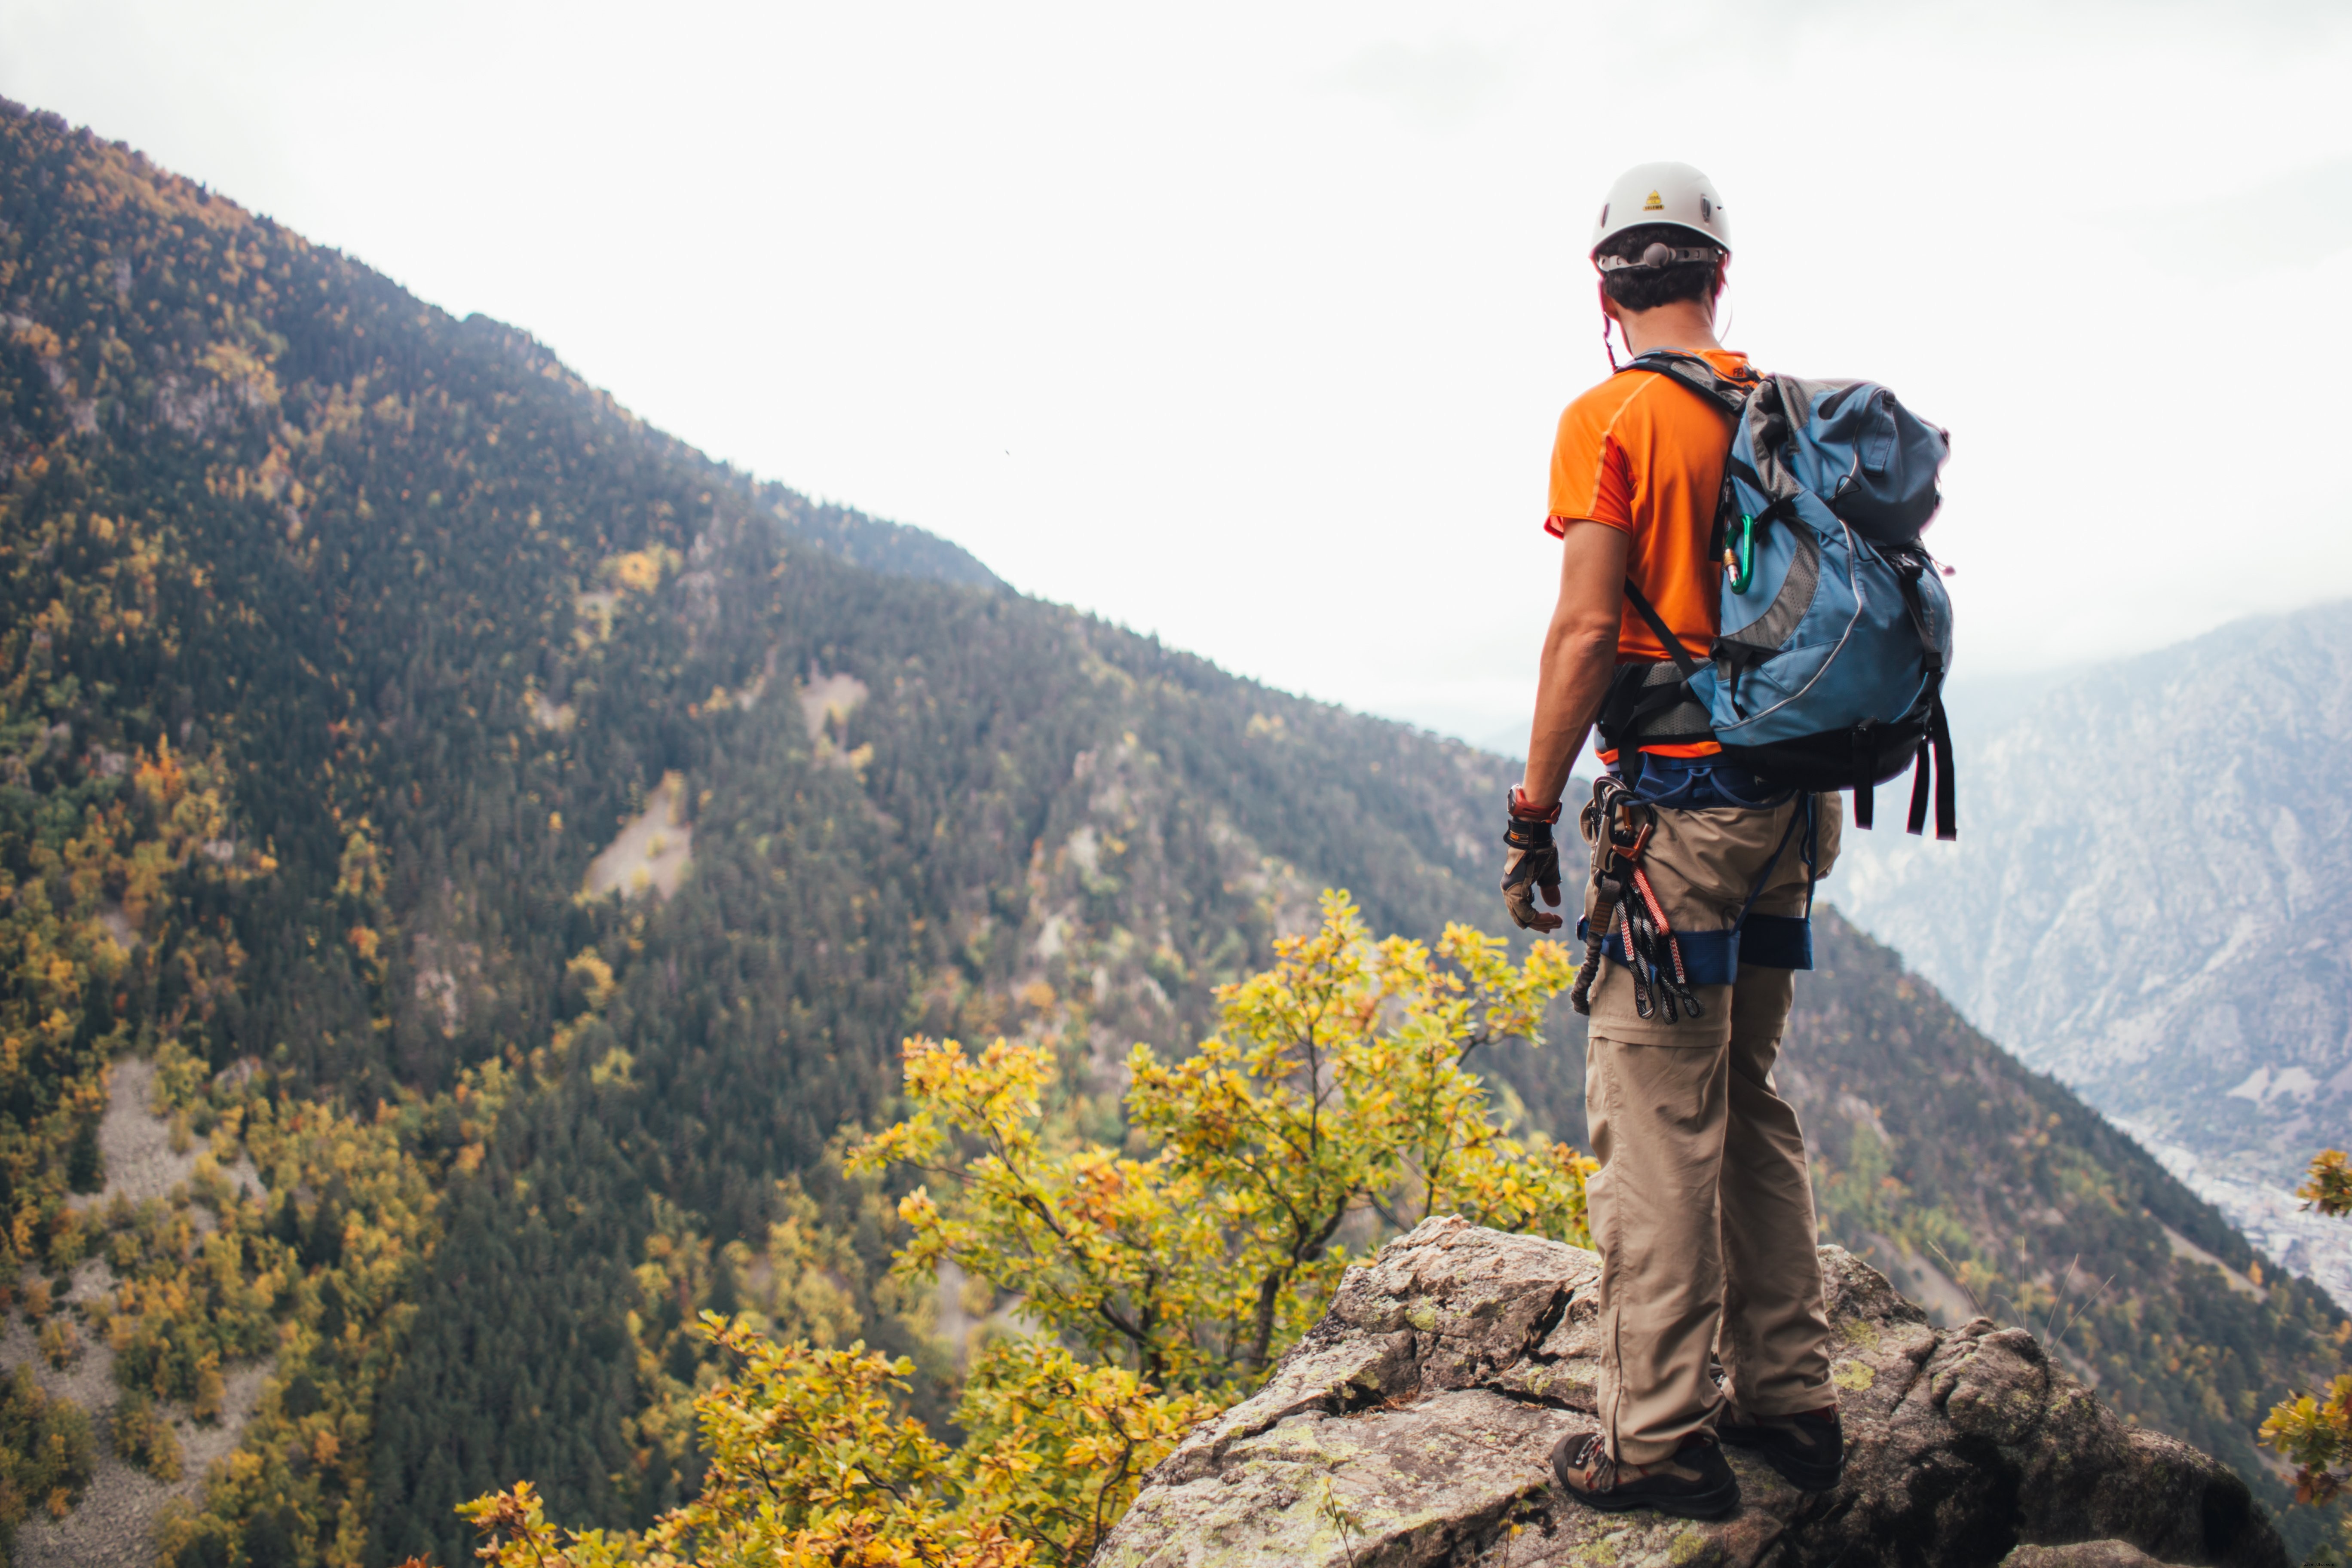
x=1248 y=324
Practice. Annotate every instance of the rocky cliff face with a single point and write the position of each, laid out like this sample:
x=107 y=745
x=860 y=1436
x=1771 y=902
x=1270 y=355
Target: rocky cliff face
x=1414 y=1425
x=2146 y=900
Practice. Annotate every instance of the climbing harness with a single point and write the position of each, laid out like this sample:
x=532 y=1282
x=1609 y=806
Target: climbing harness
x=1618 y=826
x=1666 y=965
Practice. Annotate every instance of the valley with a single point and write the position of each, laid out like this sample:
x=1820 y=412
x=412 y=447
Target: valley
x=2145 y=902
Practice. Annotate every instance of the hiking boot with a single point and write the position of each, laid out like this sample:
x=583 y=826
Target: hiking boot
x=1695 y=1483
x=1807 y=1449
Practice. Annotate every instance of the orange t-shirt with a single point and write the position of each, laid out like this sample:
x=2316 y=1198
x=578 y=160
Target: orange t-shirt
x=1646 y=457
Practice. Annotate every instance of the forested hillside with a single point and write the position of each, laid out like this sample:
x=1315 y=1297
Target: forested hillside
x=518 y=846
x=416 y=622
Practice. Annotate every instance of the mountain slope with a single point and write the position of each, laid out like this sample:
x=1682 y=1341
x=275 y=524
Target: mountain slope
x=526 y=842
x=1992 y=1188
x=2145 y=902
x=345 y=648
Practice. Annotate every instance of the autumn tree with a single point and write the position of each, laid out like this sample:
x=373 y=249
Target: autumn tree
x=1334 y=1105
x=2314 y=1431
x=1155 y=1281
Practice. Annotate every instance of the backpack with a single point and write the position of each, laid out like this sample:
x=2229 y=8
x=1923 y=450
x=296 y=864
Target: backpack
x=1837 y=631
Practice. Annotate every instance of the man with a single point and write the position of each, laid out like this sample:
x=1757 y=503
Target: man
x=1702 y=1208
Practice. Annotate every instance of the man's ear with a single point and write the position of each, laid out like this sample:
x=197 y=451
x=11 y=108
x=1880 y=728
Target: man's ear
x=1722 y=277
x=1608 y=306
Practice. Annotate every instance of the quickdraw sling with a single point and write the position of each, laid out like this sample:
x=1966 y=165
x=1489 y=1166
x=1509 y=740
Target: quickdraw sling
x=1618 y=826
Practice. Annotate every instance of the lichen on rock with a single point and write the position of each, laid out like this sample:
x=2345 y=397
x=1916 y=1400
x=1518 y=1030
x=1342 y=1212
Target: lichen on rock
x=1416 y=1423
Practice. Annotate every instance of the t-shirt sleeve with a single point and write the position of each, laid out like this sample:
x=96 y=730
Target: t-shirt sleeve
x=1590 y=478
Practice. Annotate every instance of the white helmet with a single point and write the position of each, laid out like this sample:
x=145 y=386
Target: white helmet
x=1673 y=193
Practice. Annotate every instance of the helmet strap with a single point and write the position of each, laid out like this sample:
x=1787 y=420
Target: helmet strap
x=1609 y=348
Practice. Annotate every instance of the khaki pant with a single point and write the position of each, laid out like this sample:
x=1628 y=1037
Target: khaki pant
x=1703 y=1209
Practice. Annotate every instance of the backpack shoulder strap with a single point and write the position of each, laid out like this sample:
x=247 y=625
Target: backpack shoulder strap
x=1693 y=372
x=1731 y=398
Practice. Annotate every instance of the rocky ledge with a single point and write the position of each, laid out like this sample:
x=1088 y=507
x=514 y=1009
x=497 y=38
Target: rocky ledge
x=1414 y=1425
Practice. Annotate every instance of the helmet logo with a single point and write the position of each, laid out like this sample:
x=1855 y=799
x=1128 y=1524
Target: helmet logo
x=1653 y=204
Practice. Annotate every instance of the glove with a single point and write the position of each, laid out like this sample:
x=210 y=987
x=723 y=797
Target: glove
x=1530 y=862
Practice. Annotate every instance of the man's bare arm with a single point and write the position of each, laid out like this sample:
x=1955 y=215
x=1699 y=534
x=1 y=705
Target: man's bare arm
x=1580 y=654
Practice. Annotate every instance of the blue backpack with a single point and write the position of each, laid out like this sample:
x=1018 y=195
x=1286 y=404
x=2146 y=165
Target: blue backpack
x=1829 y=670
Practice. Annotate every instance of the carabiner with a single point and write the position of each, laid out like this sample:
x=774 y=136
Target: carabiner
x=1741 y=563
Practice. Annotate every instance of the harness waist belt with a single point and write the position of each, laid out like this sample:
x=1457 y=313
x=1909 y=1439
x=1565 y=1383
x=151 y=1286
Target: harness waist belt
x=1713 y=957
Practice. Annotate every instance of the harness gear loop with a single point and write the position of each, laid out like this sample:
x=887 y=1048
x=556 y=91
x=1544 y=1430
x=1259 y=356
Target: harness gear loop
x=1618 y=826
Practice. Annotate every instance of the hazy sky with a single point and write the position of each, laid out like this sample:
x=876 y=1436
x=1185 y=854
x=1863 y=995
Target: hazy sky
x=1248 y=324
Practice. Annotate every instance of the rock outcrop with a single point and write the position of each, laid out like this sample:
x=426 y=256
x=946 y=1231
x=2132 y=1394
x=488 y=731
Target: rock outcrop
x=1414 y=1425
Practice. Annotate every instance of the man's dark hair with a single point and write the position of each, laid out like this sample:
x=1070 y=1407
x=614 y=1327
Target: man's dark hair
x=1646 y=288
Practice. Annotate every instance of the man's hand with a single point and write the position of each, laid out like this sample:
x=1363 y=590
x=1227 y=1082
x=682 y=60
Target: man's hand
x=1530 y=863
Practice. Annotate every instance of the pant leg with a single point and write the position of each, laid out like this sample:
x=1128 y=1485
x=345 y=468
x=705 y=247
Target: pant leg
x=1674 y=1190
x=1774 y=1343
x=1657 y=1116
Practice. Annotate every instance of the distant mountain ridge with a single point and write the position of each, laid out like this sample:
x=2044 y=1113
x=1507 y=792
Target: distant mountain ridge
x=894 y=548
x=2148 y=899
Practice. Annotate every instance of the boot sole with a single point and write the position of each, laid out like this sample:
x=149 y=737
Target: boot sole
x=1804 y=1477
x=1698 y=1505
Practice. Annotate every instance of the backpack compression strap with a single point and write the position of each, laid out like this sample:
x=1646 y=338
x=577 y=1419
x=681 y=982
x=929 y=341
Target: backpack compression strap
x=1685 y=661
x=1936 y=745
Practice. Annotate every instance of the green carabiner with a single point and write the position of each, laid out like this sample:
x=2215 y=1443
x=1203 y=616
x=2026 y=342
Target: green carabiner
x=1741 y=563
